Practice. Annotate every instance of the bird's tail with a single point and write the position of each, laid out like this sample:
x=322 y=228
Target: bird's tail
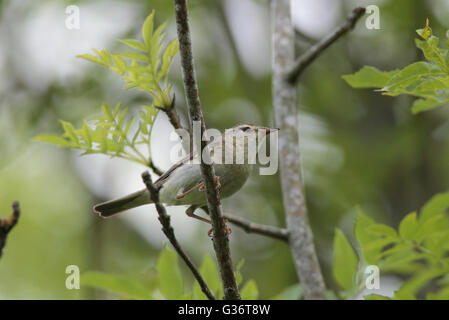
x=133 y=200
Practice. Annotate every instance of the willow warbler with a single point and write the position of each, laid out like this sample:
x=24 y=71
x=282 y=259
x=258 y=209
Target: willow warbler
x=183 y=184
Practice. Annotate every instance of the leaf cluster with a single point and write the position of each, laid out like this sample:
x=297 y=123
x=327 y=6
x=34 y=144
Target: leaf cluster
x=170 y=282
x=146 y=67
x=426 y=80
x=116 y=133
x=418 y=250
x=113 y=134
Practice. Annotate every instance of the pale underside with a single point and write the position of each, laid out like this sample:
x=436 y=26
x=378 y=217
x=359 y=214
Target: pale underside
x=186 y=174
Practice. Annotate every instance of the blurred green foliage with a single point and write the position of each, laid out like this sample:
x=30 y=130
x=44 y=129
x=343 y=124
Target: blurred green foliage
x=170 y=284
x=417 y=250
x=427 y=80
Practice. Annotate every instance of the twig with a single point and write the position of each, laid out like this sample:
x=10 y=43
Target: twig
x=167 y=229
x=173 y=118
x=172 y=115
x=220 y=239
x=252 y=227
x=302 y=37
x=310 y=55
x=285 y=100
x=6 y=225
x=155 y=169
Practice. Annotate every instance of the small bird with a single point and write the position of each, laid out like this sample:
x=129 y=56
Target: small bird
x=183 y=183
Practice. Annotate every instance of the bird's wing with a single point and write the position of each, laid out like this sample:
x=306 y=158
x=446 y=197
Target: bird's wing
x=166 y=174
x=161 y=180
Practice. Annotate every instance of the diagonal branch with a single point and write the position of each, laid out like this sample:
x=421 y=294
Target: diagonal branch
x=310 y=55
x=155 y=169
x=6 y=225
x=252 y=227
x=220 y=239
x=164 y=218
x=285 y=100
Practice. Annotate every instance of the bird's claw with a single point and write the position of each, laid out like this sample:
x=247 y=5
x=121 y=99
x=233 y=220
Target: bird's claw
x=217 y=183
x=228 y=230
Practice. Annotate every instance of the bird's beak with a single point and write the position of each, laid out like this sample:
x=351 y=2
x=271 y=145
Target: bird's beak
x=269 y=130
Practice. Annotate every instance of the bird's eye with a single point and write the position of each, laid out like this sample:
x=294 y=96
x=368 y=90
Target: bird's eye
x=244 y=129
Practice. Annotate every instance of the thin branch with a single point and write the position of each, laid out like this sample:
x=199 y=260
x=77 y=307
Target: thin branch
x=173 y=118
x=155 y=169
x=220 y=238
x=285 y=101
x=6 y=225
x=167 y=229
x=310 y=55
x=173 y=115
x=303 y=38
x=252 y=227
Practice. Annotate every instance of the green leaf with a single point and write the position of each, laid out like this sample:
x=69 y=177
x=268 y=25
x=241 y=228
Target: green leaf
x=86 y=134
x=156 y=46
x=134 y=56
x=381 y=230
x=426 y=32
x=345 y=262
x=128 y=126
x=379 y=243
x=135 y=44
x=121 y=118
x=443 y=294
x=438 y=204
x=238 y=274
x=430 y=226
x=403 y=261
x=104 y=55
x=171 y=283
x=421 y=105
x=107 y=112
x=408 y=78
x=438 y=243
x=167 y=57
x=412 y=286
x=432 y=52
x=250 y=290
x=147 y=29
x=69 y=131
x=121 y=285
x=361 y=224
x=408 y=226
x=91 y=58
x=119 y=63
x=49 y=138
x=209 y=271
x=293 y=292
x=376 y=297
x=369 y=77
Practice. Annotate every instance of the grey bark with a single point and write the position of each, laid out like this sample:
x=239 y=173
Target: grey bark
x=285 y=101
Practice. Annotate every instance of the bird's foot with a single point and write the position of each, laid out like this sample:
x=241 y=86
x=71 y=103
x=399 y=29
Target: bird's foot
x=228 y=230
x=217 y=183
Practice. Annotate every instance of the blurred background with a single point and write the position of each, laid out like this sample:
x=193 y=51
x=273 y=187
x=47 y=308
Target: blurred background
x=358 y=148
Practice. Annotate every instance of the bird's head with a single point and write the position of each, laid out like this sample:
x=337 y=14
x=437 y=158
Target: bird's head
x=247 y=138
x=250 y=130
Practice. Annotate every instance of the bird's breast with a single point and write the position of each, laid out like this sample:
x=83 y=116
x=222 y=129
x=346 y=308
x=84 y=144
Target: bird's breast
x=232 y=177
